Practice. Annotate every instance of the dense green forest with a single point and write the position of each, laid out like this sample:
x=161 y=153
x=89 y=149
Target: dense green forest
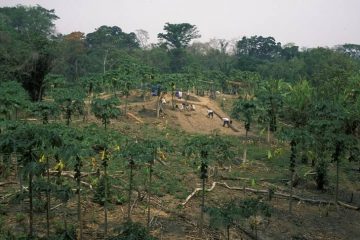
x=67 y=144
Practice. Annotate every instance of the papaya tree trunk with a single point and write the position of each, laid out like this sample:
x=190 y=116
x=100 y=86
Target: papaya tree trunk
x=105 y=201
x=149 y=195
x=245 y=148
x=292 y=171
x=31 y=211
x=47 y=199
x=228 y=232
x=79 y=207
x=65 y=216
x=291 y=191
x=104 y=62
x=337 y=181
x=202 y=208
x=130 y=190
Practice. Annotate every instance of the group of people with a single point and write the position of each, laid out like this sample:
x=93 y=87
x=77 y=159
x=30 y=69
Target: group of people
x=226 y=121
x=185 y=106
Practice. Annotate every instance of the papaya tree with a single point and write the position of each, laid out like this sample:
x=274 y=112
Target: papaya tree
x=253 y=209
x=77 y=176
x=70 y=101
x=106 y=109
x=30 y=141
x=13 y=98
x=154 y=150
x=132 y=230
x=103 y=189
x=224 y=216
x=45 y=110
x=133 y=153
x=205 y=150
x=63 y=190
x=74 y=149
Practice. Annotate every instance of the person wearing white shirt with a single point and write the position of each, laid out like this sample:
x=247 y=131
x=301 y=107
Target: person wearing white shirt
x=226 y=121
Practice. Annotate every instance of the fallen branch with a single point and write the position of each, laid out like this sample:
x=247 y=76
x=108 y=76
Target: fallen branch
x=250 y=179
x=279 y=194
x=197 y=190
x=7 y=183
x=348 y=206
x=161 y=161
x=83 y=174
x=69 y=175
x=134 y=117
x=55 y=207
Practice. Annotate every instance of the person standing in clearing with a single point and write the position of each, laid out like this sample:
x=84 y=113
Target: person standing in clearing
x=210 y=113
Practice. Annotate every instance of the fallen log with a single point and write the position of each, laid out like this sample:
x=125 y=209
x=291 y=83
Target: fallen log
x=278 y=194
x=69 y=175
x=197 y=190
x=250 y=179
x=134 y=117
x=7 y=183
x=83 y=174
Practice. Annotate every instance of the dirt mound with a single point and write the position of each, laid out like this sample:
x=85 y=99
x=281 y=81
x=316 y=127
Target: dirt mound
x=192 y=121
x=197 y=121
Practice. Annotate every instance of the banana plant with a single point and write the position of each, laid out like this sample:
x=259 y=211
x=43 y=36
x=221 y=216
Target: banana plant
x=297 y=109
x=270 y=94
x=244 y=109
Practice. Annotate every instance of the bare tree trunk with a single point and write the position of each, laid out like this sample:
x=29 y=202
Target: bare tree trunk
x=104 y=63
x=76 y=70
x=268 y=133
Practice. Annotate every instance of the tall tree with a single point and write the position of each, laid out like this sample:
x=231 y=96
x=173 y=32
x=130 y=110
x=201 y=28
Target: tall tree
x=177 y=38
x=28 y=48
x=179 y=35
